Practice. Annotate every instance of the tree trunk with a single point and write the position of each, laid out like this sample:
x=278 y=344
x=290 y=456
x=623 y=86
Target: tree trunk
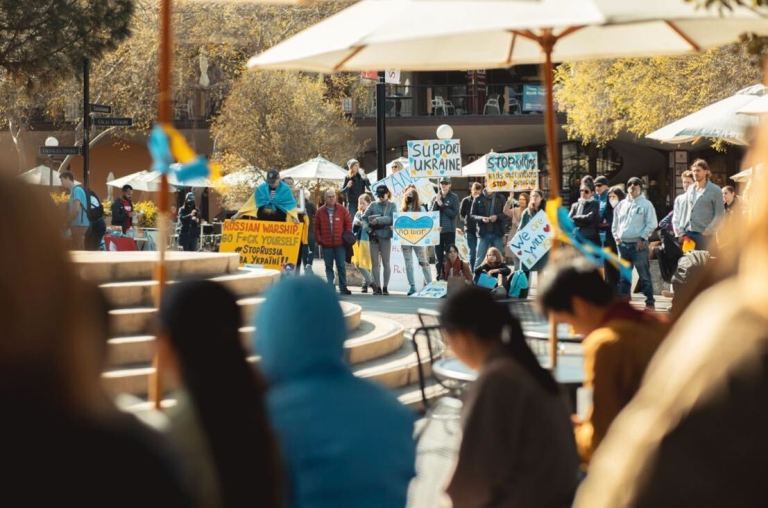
x=16 y=129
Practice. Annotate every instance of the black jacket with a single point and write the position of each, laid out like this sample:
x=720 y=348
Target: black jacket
x=118 y=212
x=485 y=206
x=465 y=210
x=586 y=216
x=448 y=212
x=359 y=186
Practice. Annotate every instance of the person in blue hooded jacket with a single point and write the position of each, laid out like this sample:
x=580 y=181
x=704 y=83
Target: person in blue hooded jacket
x=345 y=442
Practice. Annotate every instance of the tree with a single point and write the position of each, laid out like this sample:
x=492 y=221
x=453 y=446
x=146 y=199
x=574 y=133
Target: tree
x=639 y=95
x=43 y=39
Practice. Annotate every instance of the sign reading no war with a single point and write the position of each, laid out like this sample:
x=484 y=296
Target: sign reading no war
x=434 y=158
x=417 y=228
x=512 y=172
x=270 y=244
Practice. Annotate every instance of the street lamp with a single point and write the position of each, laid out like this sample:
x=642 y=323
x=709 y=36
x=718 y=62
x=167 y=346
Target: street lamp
x=444 y=131
x=50 y=141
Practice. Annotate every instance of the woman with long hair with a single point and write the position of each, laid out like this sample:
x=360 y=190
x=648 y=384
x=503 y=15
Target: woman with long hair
x=362 y=248
x=518 y=447
x=221 y=427
x=535 y=205
x=354 y=185
x=410 y=203
x=493 y=266
x=455 y=267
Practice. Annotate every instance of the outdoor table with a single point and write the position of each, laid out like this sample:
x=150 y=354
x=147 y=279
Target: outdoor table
x=540 y=331
x=569 y=370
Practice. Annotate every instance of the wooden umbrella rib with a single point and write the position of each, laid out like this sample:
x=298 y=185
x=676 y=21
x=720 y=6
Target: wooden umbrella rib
x=349 y=57
x=568 y=31
x=683 y=35
x=511 y=48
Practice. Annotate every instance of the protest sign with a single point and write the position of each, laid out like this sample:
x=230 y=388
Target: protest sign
x=265 y=243
x=434 y=158
x=533 y=241
x=435 y=289
x=512 y=172
x=398 y=182
x=463 y=245
x=419 y=229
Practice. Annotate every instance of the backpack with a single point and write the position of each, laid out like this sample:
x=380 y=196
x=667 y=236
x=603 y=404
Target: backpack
x=94 y=210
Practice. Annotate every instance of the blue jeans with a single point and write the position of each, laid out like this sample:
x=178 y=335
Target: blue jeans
x=472 y=242
x=640 y=260
x=338 y=254
x=485 y=243
x=421 y=258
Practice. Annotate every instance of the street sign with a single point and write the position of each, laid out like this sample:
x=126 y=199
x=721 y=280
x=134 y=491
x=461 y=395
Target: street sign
x=60 y=150
x=100 y=108
x=112 y=122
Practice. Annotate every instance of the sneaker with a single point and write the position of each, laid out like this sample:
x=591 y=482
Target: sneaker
x=376 y=290
x=344 y=291
x=411 y=291
x=650 y=306
x=364 y=288
x=308 y=269
x=384 y=290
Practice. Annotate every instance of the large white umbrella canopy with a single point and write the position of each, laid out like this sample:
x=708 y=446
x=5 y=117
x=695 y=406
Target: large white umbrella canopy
x=42 y=175
x=382 y=34
x=246 y=176
x=140 y=181
x=478 y=167
x=758 y=106
x=318 y=168
x=720 y=120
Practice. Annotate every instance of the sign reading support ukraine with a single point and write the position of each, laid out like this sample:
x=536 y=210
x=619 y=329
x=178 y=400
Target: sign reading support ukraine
x=433 y=158
x=418 y=229
x=512 y=172
x=533 y=241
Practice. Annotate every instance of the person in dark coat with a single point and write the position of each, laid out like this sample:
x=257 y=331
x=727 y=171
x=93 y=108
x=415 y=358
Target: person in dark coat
x=447 y=203
x=355 y=183
x=122 y=209
x=518 y=448
x=189 y=217
x=470 y=227
x=488 y=213
x=586 y=212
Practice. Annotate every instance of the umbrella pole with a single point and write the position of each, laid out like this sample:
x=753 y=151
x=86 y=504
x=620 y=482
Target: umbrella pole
x=163 y=117
x=547 y=42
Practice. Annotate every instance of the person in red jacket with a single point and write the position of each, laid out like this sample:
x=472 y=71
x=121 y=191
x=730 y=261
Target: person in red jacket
x=331 y=222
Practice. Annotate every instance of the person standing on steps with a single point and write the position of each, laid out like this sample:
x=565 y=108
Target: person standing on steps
x=379 y=216
x=488 y=212
x=447 y=203
x=634 y=220
x=355 y=184
x=331 y=222
x=470 y=225
x=411 y=204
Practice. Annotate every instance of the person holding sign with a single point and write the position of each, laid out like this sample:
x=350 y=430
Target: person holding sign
x=272 y=201
x=488 y=213
x=535 y=205
x=411 y=204
x=447 y=203
x=355 y=184
x=332 y=221
x=380 y=216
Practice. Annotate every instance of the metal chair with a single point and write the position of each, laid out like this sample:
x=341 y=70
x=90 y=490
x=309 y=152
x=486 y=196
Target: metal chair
x=445 y=105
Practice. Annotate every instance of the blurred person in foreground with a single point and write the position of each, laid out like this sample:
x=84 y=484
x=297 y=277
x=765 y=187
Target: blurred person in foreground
x=219 y=424
x=61 y=436
x=695 y=434
x=346 y=442
x=618 y=345
x=517 y=448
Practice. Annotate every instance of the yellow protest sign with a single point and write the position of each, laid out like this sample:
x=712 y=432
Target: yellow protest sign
x=270 y=244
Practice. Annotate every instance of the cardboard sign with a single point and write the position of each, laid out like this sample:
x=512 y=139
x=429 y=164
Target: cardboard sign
x=269 y=244
x=419 y=229
x=400 y=181
x=436 y=289
x=463 y=245
x=533 y=241
x=512 y=172
x=434 y=158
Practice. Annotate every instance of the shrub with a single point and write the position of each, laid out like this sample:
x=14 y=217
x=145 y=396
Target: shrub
x=148 y=210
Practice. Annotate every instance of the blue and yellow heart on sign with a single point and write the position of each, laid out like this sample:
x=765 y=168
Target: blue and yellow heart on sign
x=417 y=228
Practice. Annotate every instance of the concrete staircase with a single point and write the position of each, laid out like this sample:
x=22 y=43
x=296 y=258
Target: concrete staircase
x=377 y=347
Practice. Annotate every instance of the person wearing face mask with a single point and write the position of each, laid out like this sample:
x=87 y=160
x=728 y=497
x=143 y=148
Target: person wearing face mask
x=379 y=217
x=410 y=203
x=586 y=212
x=634 y=220
x=615 y=195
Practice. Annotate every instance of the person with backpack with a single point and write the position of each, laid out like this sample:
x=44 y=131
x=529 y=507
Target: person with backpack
x=86 y=215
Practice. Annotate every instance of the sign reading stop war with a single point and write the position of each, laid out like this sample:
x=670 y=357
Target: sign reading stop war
x=512 y=172
x=434 y=158
x=270 y=244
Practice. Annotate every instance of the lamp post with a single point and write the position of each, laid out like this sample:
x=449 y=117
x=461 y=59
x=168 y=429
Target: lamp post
x=50 y=141
x=381 y=126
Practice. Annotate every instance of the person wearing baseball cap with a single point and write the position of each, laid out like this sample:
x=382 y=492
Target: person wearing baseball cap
x=633 y=222
x=447 y=203
x=272 y=201
x=606 y=221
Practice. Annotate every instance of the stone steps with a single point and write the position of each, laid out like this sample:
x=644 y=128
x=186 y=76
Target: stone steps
x=376 y=349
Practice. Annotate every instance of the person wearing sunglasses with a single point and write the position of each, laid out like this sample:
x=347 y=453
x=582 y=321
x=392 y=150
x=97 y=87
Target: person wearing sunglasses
x=634 y=219
x=586 y=212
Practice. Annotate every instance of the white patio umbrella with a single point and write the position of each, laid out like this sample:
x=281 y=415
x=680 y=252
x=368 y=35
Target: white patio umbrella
x=720 y=120
x=318 y=168
x=245 y=176
x=478 y=167
x=140 y=181
x=42 y=175
x=742 y=176
x=758 y=106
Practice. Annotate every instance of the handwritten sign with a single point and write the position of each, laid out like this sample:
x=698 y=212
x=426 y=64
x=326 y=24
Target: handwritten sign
x=400 y=181
x=512 y=172
x=435 y=289
x=463 y=245
x=265 y=243
x=434 y=158
x=533 y=241
x=419 y=229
